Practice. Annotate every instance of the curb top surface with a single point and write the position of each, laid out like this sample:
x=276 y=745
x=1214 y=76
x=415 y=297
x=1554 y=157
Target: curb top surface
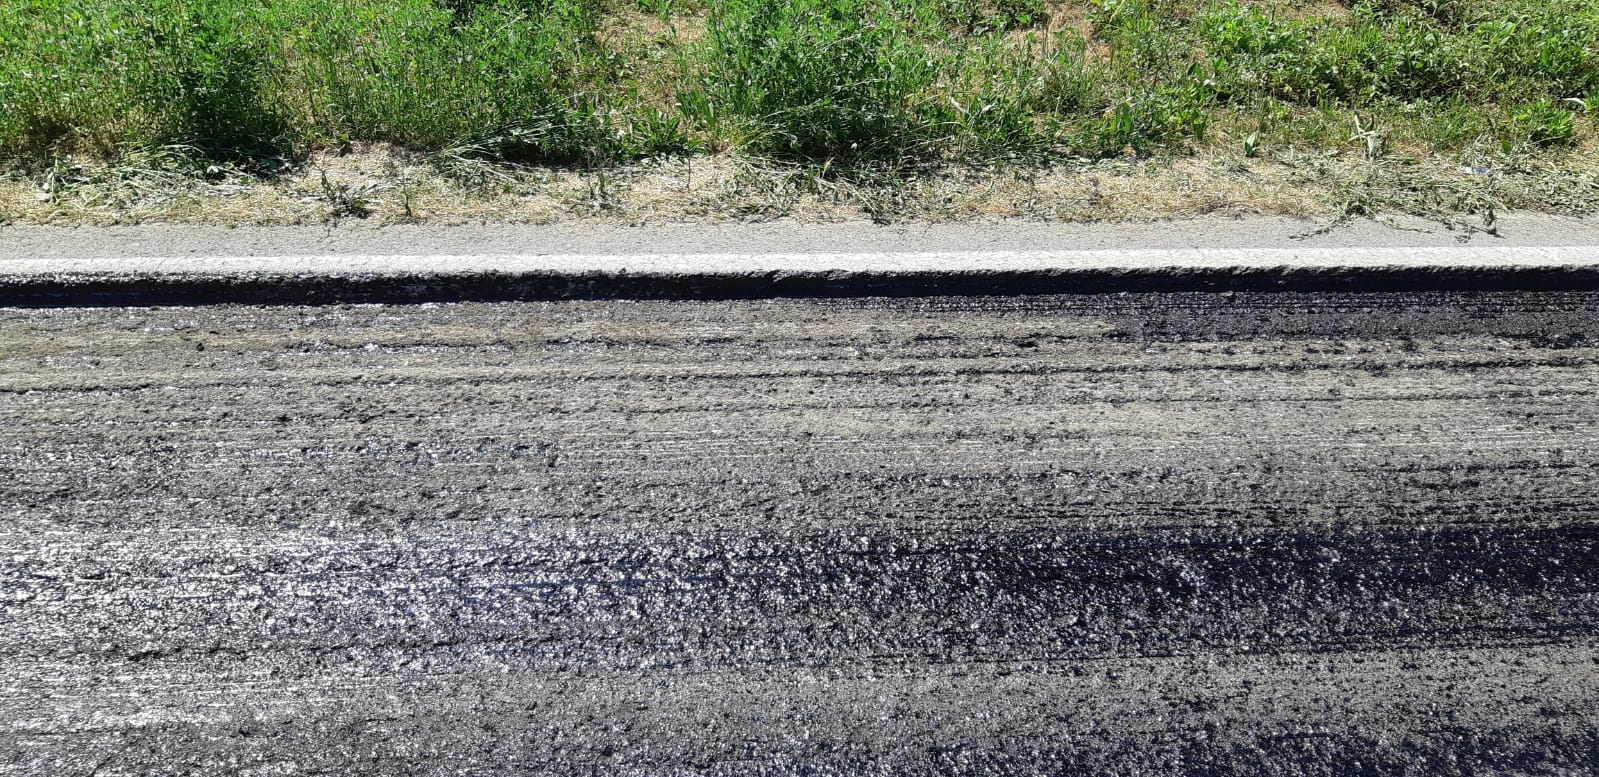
x=936 y=262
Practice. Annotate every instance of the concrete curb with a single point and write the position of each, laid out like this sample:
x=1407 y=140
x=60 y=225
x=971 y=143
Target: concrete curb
x=334 y=278
x=1099 y=260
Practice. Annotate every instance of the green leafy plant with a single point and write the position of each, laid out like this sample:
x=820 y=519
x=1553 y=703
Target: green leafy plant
x=1544 y=123
x=494 y=88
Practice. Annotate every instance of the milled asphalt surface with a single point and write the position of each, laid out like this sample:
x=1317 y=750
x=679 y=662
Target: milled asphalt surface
x=1218 y=532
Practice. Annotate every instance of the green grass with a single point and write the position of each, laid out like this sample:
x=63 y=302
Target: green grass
x=845 y=85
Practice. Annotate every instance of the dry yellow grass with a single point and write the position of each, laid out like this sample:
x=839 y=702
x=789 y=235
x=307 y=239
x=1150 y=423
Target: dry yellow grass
x=390 y=185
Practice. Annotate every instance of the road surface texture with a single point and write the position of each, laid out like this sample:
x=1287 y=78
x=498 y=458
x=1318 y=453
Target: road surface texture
x=1214 y=533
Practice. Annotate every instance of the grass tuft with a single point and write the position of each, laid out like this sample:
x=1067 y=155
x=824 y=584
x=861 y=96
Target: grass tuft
x=814 y=79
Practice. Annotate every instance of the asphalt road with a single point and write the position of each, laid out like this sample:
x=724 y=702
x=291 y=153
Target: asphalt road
x=1252 y=533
